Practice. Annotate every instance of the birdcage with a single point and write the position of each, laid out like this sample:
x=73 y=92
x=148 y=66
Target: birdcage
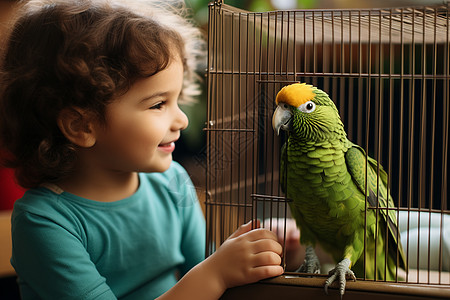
x=388 y=72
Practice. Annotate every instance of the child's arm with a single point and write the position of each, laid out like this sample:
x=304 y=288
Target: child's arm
x=245 y=257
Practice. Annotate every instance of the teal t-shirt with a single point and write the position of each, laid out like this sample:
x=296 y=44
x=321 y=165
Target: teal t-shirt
x=68 y=247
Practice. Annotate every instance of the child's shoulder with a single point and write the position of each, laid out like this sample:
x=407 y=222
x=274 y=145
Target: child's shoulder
x=36 y=199
x=39 y=204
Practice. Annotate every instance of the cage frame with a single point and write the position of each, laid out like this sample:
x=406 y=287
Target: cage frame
x=388 y=288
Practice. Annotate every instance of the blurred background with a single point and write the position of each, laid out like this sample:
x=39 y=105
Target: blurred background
x=191 y=149
x=200 y=7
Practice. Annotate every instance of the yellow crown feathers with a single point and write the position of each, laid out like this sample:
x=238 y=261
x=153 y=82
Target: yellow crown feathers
x=295 y=94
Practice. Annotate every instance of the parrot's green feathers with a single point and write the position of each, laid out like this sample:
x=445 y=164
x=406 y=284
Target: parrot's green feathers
x=325 y=176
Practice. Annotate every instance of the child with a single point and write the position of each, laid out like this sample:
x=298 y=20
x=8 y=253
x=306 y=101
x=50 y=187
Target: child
x=89 y=116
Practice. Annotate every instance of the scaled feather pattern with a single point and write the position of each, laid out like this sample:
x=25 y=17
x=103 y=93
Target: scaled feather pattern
x=325 y=176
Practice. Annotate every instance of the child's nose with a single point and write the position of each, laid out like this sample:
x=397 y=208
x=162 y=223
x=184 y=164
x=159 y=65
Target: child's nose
x=181 y=120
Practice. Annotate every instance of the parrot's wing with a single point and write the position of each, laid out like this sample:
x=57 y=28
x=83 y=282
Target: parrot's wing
x=377 y=185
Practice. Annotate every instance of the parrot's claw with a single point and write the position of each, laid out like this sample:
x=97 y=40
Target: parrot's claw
x=341 y=272
x=311 y=267
x=311 y=263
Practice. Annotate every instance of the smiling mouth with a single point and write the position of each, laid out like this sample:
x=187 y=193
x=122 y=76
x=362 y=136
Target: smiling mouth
x=169 y=147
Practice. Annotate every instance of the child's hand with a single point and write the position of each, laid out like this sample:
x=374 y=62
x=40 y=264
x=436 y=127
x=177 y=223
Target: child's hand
x=247 y=256
x=292 y=232
x=293 y=250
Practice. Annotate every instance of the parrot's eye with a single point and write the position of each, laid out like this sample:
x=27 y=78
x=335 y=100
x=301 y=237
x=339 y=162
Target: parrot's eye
x=307 y=107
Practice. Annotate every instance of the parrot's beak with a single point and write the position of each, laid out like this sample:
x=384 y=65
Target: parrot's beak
x=281 y=119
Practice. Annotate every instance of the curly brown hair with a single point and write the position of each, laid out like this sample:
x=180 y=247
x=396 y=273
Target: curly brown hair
x=82 y=54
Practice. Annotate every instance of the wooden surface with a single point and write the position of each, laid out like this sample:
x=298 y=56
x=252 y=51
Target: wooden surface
x=289 y=287
x=5 y=244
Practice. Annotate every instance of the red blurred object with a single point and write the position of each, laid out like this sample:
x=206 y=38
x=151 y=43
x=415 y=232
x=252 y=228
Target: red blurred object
x=10 y=191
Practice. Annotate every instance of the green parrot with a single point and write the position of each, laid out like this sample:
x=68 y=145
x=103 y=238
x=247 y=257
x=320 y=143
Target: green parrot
x=324 y=174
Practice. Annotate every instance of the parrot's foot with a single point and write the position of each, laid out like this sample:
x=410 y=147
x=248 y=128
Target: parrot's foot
x=311 y=263
x=340 y=272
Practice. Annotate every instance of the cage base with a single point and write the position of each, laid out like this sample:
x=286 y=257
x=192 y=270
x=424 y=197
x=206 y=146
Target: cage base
x=292 y=287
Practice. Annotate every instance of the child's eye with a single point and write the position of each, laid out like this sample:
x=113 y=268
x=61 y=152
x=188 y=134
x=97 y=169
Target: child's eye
x=158 y=105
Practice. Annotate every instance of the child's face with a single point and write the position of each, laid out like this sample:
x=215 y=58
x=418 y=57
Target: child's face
x=144 y=123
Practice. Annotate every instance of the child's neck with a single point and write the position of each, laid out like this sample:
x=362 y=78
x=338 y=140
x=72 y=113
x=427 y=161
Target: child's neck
x=107 y=188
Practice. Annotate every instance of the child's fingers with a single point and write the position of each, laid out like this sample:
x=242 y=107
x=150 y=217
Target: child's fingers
x=261 y=233
x=246 y=228
x=264 y=272
x=287 y=229
x=268 y=258
x=264 y=245
x=241 y=230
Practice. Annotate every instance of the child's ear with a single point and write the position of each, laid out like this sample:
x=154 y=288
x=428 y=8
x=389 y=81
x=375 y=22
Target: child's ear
x=77 y=125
